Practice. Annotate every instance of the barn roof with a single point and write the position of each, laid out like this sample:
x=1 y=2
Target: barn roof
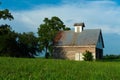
x=84 y=38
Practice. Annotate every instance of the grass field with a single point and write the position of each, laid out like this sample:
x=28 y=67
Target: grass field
x=50 y=69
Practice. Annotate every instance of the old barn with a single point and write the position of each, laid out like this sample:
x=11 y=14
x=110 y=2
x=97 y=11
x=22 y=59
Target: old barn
x=72 y=44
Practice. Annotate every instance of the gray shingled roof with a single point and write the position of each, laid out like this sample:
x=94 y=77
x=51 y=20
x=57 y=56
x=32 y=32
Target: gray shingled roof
x=84 y=38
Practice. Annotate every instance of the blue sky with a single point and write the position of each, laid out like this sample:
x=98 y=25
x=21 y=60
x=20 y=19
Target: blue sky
x=103 y=14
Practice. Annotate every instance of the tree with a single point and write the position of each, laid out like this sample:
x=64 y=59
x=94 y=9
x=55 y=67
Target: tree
x=87 y=56
x=47 y=32
x=16 y=44
x=5 y=14
x=27 y=44
x=7 y=41
x=7 y=36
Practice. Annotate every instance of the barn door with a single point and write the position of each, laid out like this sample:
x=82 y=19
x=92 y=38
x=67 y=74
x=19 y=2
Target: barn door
x=81 y=56
x=77 y=56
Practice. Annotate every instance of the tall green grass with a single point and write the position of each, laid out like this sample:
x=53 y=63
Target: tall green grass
x=50 y=69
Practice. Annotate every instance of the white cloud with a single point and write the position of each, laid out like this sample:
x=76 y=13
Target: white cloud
x=95 y=14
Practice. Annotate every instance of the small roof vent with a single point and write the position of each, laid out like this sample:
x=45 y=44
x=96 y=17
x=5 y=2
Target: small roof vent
x=79 y=27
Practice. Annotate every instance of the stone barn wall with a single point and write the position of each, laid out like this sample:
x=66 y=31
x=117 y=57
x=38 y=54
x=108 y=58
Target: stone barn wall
x=70 y=52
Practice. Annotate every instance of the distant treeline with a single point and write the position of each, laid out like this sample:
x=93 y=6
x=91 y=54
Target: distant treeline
x=111 y=56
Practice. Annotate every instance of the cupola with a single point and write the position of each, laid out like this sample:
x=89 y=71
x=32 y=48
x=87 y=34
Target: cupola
x=79 y=27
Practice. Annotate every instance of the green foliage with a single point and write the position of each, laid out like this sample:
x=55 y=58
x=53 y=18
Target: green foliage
x=111 y=56
x=47 y=31
x=30 y=69
x=5 y=14
x=15 y=44
x=7 y=36
x=88 y=56
x=27 y=44
x=7 y=41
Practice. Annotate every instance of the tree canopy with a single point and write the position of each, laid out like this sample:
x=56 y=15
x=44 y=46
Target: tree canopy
x=27 y=44
x=7 y=36
x=5 y=14
x=7 y=40
x=47 y=32
x=16 y=44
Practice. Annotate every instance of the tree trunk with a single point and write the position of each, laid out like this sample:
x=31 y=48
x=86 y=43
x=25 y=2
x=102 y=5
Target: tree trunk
x=46 y=53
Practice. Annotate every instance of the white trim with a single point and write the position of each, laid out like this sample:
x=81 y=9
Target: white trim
x=78 y=28
x=75 y=29
x=94 y=55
